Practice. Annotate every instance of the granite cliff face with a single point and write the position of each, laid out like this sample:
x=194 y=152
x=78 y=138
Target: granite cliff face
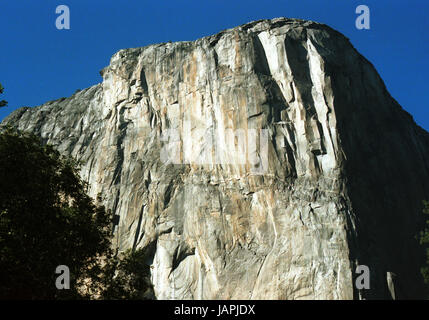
x=331 y=173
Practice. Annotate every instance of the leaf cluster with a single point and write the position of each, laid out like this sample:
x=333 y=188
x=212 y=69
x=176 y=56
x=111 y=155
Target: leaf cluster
x=3 y=103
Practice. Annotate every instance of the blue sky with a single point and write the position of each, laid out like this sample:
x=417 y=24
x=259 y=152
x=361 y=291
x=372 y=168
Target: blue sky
x=39 y=63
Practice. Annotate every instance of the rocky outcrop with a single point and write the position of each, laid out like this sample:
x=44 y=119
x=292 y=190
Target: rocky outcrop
x=264 y=162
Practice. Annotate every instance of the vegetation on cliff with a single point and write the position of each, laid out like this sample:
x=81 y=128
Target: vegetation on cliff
x=3 y=103
x=47 y=220
x=424 y=241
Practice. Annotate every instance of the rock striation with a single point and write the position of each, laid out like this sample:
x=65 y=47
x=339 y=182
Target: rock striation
x=267 y=161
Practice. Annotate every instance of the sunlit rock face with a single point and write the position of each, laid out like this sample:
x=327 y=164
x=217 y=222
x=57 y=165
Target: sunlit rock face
x=264 y=162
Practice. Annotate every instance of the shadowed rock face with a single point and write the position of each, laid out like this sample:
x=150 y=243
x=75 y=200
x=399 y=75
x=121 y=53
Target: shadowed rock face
x=333 y=179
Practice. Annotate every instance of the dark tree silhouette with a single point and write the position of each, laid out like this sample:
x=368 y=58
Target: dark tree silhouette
x=424 y=241
x=3 y=103
x=47 y=220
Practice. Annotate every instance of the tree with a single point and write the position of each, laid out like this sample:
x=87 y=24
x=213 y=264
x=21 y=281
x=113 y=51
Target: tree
x=46 y=220
x=124 y=276
x=3 y=103
x=424 y=241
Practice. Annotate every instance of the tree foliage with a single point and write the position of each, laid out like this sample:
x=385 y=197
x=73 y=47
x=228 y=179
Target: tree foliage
x=47 y=220
x=3 y=103
x=123 y=276
x=424 y=241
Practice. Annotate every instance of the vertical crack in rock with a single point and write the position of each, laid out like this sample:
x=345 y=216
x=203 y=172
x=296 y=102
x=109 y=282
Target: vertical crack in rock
x=137 y=234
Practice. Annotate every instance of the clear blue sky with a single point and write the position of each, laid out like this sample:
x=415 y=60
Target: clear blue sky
x=39 y=63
